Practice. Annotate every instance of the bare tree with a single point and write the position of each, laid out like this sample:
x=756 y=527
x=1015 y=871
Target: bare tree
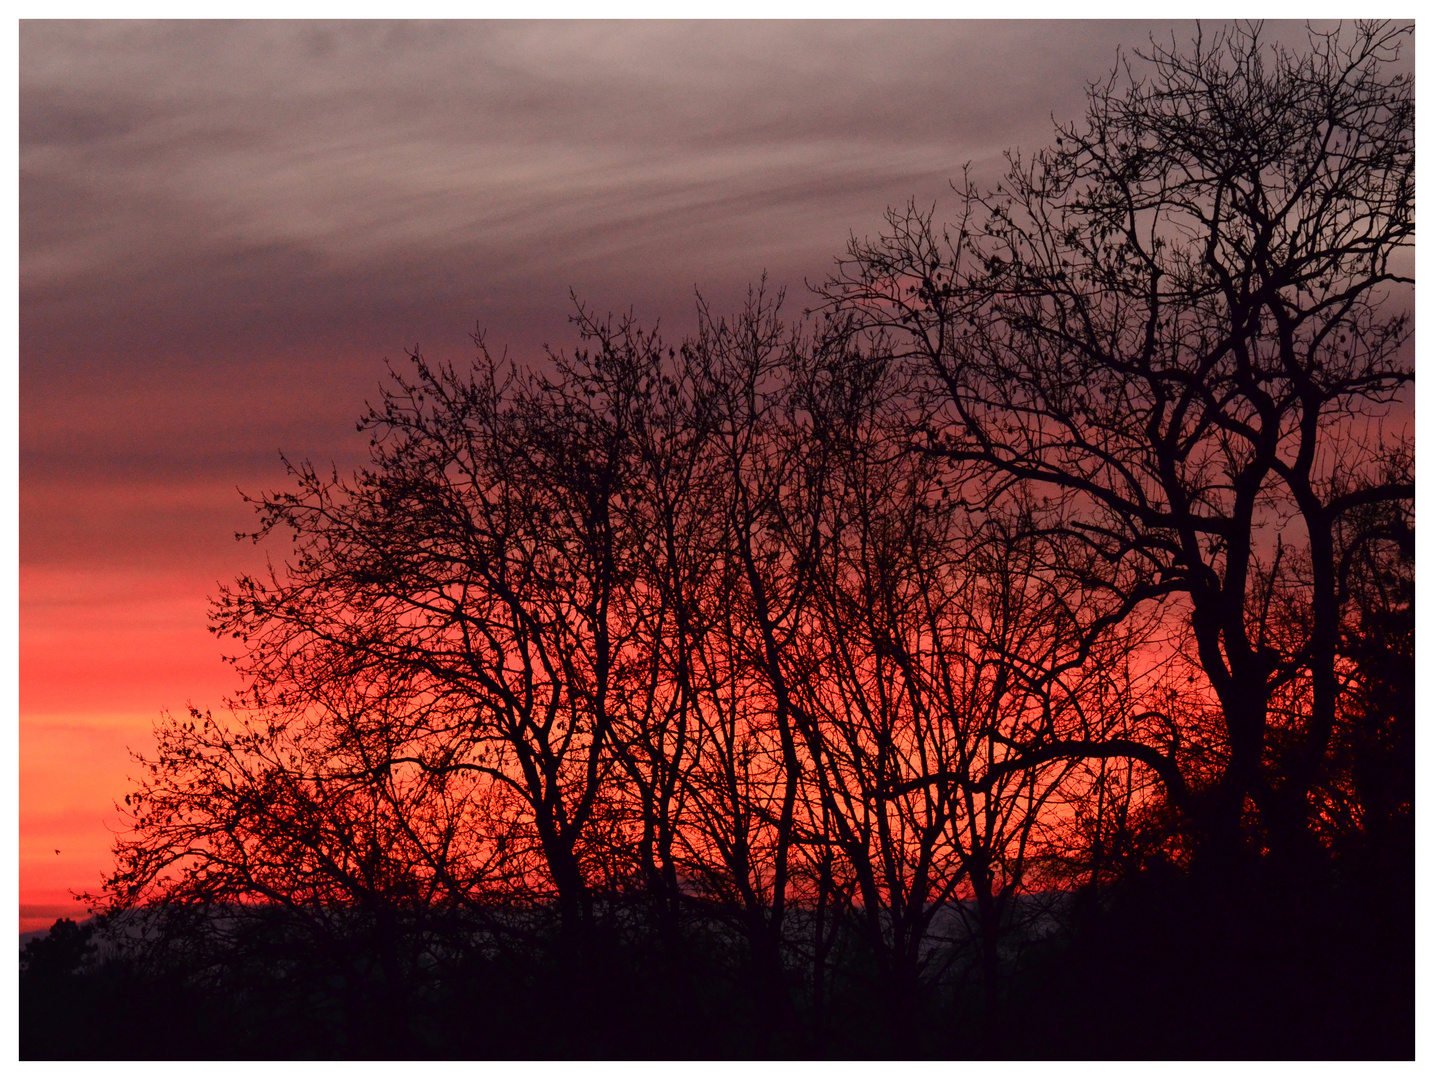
x=749 y=786
x=1177 y=325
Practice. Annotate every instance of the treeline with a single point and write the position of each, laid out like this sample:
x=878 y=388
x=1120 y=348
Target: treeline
x=688 y=622
x=1059 y=550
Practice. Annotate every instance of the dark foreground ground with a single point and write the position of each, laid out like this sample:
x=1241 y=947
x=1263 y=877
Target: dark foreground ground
x=1163 y=967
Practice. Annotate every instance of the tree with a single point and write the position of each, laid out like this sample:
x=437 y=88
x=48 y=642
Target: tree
x=749 y=791
x=931 y=650
x=520 y=657
x=1179 y=326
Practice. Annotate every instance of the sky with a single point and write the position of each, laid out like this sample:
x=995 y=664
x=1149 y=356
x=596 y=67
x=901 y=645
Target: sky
x=227 y=228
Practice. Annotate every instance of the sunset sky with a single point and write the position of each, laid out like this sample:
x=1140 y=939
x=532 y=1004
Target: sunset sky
x=225 y=229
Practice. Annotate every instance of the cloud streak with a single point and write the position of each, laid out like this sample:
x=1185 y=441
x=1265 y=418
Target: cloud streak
x=155 y=150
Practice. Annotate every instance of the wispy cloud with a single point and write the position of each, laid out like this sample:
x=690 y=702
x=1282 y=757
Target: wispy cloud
x=149 y=148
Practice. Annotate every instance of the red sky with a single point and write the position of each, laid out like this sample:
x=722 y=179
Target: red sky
x=226 y=228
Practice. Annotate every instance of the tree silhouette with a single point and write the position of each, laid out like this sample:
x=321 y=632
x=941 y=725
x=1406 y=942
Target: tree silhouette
x=1173 y=324
x=1056 y=572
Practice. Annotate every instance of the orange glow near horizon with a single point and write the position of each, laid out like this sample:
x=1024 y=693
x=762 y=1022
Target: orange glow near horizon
x=102 y=655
